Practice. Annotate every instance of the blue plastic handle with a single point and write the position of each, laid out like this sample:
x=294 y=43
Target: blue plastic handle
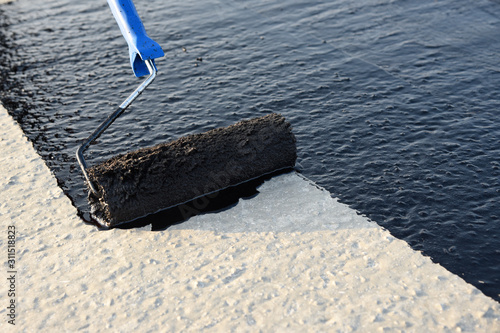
x=141 y=47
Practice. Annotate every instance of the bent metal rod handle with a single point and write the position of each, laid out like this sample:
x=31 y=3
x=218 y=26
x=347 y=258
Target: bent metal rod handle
x=143 y=50
x=79 y=153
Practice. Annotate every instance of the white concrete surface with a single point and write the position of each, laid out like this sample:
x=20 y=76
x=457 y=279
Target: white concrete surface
x=291 y=259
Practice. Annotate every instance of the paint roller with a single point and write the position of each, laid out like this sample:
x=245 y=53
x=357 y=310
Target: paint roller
x=146 y=181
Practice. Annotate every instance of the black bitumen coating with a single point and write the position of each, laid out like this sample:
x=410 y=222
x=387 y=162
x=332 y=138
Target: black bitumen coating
x=151 y=179
x=397 y=118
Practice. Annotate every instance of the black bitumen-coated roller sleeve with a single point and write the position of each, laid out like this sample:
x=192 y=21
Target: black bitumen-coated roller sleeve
x=151 y=179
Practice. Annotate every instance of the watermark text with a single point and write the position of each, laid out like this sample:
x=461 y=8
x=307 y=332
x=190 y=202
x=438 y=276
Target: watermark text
x=11 y=274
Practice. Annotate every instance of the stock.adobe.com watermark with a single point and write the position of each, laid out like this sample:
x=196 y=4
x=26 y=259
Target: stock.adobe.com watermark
x=11 y=274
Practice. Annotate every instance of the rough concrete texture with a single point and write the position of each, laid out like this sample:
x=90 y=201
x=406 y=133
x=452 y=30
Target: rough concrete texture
x=322 y=269
x=150 y=179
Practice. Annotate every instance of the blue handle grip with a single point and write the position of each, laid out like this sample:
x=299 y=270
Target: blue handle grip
x=141 y=47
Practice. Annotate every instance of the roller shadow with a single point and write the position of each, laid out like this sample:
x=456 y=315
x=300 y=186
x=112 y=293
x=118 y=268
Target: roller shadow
x=212 y=203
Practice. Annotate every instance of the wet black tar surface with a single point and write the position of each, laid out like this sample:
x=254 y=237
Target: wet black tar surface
x=394 y=104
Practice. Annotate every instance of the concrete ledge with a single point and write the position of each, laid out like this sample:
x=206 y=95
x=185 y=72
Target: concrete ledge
x=290 y=259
